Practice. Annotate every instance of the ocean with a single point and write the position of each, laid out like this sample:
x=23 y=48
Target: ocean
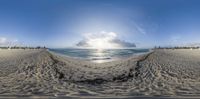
x=99 y=55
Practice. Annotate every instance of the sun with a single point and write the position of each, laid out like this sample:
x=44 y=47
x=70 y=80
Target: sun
x=102 y=41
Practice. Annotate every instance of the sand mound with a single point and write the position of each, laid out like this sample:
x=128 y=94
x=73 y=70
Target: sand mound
x=39 y=72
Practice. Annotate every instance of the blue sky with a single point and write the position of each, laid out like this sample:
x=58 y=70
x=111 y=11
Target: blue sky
x=63 y=23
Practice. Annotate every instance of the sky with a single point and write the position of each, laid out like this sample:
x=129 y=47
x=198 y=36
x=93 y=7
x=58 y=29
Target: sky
x=64 y=23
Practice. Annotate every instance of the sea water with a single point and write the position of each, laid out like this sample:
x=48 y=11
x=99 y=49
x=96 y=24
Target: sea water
x=99 y=55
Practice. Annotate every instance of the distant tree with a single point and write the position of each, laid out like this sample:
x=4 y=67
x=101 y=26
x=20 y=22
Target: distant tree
x=38 y=47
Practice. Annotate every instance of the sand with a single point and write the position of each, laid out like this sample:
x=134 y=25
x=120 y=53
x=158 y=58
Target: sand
x=32 y=73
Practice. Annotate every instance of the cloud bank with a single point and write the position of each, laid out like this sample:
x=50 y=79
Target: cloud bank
x=103 y=40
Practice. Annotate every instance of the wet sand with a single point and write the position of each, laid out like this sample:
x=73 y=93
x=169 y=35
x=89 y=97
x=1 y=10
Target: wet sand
x=40 y=73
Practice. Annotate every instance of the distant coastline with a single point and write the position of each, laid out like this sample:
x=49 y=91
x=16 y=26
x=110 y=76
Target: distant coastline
x=20 y=47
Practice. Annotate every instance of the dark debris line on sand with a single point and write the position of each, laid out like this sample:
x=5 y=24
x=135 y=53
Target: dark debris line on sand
x=138 y=66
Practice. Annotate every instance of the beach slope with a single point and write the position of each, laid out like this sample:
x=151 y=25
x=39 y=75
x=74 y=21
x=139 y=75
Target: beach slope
x=158 y=73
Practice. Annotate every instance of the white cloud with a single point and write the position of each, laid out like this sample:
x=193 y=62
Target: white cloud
x=141 y=30
x=3 y=41
x=7 y=42
x=103 y=40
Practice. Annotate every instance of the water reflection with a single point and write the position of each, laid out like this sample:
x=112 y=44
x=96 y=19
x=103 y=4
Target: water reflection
x=100 y=56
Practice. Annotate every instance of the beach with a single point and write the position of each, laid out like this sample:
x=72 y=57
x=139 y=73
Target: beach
x=39 y=72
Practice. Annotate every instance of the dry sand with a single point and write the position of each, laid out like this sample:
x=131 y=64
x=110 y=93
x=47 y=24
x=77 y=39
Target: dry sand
x=43 y=73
